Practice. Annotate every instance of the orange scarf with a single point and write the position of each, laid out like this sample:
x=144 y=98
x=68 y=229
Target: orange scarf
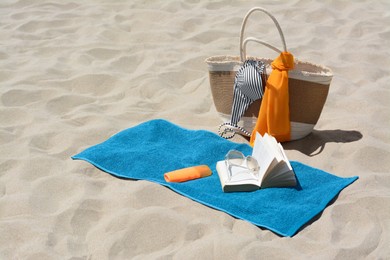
x=274 y=114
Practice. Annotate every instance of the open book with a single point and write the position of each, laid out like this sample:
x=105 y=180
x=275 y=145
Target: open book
x=275 y=169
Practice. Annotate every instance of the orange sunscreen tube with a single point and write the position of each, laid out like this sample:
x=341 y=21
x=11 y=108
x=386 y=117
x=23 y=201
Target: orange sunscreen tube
x=187 y=174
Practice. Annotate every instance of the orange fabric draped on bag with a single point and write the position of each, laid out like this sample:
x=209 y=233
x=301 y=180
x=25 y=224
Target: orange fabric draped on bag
x=274 y=113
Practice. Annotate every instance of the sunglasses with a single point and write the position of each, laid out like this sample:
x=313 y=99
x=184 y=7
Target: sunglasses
x=237 y=163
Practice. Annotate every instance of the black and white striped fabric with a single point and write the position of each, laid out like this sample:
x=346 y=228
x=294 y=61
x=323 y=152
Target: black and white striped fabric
x=248 y=87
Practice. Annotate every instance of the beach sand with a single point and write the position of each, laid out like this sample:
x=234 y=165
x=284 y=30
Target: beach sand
x=73 y=73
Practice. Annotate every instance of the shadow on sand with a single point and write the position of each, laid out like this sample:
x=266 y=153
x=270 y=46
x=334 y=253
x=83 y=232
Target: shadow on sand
x=315 y=142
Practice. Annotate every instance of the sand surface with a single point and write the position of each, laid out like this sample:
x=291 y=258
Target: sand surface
x=72 y=73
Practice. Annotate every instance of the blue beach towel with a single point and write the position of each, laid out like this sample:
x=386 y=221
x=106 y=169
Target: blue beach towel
x=150 y=149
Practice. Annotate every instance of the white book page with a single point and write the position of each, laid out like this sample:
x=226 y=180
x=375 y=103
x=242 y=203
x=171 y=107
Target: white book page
x=282 y=176
x=263 y=156
x=239 y=175
x=285 y=156
x=273 y=145
x=222 y=171
x=272 y=148
x=279 y=171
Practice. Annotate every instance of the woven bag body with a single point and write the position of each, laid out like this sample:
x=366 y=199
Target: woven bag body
x=308 y=86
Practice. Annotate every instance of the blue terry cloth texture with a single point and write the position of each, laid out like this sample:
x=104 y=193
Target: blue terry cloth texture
x=148 y=150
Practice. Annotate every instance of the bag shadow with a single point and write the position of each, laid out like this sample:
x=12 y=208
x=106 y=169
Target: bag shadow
x=315 y=142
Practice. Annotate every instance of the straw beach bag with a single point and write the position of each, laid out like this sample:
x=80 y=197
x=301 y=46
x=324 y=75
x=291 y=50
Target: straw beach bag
x=308 y=85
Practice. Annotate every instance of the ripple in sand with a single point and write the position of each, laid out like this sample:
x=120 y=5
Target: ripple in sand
x=67 y=103
x=149 y=230
x=3 y=56
x=39 y=26
x=91 y=84
x=53 y=193
x=37 y=167
x=14 y=117
x=2 y=189
x=345 y=235
x=206 y=37
x=22 y=237
x=127 y=64
x=104 y=53
x=196 y=231
x=7 y=137
x=145 y=196
x=21 y=97
x=372 y=159
x=52 y=143
x=85 y=216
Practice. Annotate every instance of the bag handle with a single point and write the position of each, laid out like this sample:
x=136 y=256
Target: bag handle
x=244 y=42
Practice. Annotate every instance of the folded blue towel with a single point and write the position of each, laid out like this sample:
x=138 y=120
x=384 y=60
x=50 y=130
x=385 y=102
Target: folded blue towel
x=147 y=151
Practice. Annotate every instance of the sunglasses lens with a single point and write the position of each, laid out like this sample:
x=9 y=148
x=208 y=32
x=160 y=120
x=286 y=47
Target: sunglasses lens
x=252 y=164
x=237 y=163
x=235 y=158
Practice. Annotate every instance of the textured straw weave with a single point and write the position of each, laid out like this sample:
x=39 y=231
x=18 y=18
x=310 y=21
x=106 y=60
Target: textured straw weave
x=308 y=85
